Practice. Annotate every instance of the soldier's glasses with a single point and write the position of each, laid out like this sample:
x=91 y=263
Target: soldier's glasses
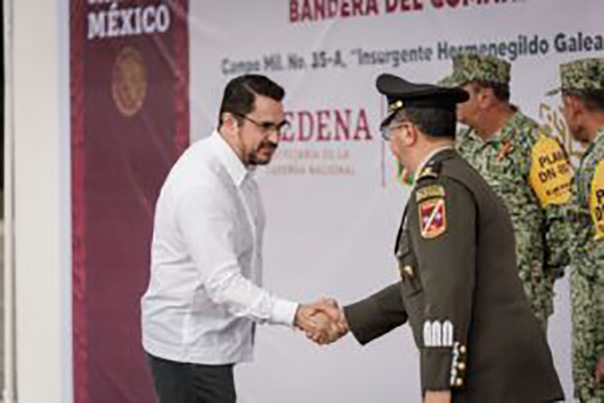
x=388 y=129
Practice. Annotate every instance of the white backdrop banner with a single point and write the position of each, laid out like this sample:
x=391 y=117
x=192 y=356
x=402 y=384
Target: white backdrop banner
x=332 y=197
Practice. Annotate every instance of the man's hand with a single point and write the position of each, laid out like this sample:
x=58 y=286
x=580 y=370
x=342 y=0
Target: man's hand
x=311 y=321
x=338 y=327
x=438 y=396
x=323 y=321
x=600 y=371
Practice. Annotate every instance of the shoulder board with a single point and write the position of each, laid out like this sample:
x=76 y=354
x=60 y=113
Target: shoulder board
x=430 y=171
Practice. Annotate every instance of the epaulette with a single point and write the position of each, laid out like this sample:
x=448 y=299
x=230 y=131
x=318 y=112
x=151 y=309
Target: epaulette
x=430 y=171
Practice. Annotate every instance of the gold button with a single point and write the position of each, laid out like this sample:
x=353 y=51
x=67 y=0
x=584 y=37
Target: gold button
x=462 y=349
x=458 y=382
x=461 y=366
x=409 y=271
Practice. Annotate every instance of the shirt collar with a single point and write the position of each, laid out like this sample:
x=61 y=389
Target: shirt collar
x=509 y=128
x=236 y=169
x=591 y=145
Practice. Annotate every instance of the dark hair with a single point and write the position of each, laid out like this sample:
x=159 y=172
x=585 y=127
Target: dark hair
x=501 y=91
x=434 y=122
x=593 y=100
x=240 y=94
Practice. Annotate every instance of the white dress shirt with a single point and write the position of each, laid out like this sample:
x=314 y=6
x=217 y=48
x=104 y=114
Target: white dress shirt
x=205 y=292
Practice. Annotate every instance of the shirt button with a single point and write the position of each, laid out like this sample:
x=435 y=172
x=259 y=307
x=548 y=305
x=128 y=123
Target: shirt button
x=458 y=382
x=409 y=271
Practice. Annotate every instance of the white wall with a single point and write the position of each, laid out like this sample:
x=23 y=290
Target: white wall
x=41 y=204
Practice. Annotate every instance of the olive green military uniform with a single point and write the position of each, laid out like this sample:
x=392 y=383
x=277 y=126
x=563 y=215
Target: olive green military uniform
x=461 y=294
x=587 y=228
x=531 y=173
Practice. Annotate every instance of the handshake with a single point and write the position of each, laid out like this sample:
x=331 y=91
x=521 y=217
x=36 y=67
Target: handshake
x=323 y=321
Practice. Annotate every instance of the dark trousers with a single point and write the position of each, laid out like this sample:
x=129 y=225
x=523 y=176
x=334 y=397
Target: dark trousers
x=177 y=382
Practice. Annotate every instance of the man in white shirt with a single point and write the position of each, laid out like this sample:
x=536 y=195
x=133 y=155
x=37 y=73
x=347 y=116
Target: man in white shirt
x=205 y=296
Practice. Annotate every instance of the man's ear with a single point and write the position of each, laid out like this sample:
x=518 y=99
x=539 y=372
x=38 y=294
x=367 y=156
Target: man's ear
x=229 y=121
x=410 y=133
x=485 y=97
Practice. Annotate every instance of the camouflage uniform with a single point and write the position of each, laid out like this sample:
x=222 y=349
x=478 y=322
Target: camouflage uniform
x=587 y=229
x=507 y=162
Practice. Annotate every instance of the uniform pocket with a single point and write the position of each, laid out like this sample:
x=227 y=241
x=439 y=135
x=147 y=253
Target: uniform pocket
x=408 y=268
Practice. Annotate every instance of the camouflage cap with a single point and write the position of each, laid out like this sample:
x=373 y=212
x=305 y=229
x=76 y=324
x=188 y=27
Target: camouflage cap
x=468 y=67
x=581 y=75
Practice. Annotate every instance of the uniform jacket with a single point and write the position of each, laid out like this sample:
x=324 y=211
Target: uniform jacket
x=461 y=294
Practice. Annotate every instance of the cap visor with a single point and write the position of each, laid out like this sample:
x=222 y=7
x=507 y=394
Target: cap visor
x=553 y=92
x=388 y=119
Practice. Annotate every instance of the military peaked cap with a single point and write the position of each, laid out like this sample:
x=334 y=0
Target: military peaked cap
x=403 y=94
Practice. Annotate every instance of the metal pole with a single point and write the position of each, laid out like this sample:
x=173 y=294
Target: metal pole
x=9 y=394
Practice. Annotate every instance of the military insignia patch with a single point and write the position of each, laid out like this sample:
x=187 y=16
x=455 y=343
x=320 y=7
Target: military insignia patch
x=432 y=217
x=597 y=201
x=551 y=173
x=429 y=192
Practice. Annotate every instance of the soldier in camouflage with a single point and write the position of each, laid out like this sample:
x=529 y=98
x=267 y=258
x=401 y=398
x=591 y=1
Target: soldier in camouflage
x=526 y=168
x=583 y=108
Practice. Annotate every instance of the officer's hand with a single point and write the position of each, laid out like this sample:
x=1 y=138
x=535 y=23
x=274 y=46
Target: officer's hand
x=323 y=321
x=438 y=396
x=335 y=313
x=330 y=323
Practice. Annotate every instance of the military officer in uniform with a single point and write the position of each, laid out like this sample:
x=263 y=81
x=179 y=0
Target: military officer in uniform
x=583 y=108
x=459 y=288
x=516 y=158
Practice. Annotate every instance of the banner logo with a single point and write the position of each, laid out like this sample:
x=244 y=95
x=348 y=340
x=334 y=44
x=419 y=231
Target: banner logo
x=129 y=85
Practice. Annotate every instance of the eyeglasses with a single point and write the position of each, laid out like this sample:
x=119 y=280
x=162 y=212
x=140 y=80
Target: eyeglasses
x=387 y=130
x=267 y=127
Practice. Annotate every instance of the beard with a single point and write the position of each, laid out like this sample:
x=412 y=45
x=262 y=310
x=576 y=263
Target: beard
x=257 y=158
